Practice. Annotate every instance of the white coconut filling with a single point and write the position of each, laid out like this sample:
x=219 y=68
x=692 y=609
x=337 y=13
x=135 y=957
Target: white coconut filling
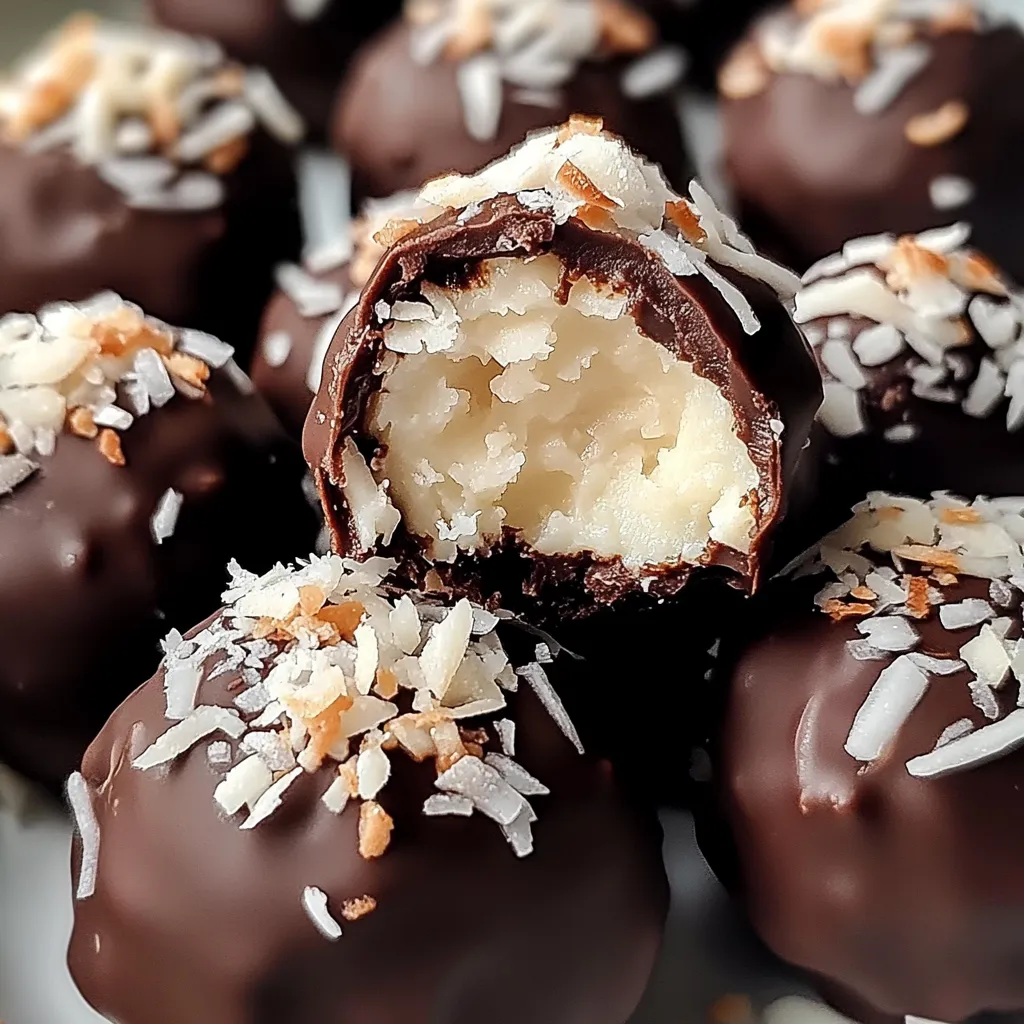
x=563 y=422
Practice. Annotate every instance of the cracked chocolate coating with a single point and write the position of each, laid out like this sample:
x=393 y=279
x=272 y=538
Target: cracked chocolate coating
x=193 y=919
x=86 y=593
x=810 y=172
x=769 y=375
x=401 y=123
x=900 y=895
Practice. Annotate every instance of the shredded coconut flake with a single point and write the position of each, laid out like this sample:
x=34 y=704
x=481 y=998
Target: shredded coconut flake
x=88 y=828
x=314 y=902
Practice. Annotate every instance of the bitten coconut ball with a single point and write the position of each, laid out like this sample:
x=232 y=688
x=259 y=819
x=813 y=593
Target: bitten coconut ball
x=452 y=86
x=311 y=301
x=304 y=44
x=850 y=117
x=135 y=461
x=920 y=343
x=143 y=161
x=572 y=386
x=337 y=803
x=871 y=761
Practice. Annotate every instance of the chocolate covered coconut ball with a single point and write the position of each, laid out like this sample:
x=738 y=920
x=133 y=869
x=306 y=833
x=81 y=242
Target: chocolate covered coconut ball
x=143 y=161
x=454 y=85
x=571 y=387
x=304 y=44
x=311 y=301
x=920 y=343
x=871 y=762
x=850 y=117
x=135 y=461
x=337 y=803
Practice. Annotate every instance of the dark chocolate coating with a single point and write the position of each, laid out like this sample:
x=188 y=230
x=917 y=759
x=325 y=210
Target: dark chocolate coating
x=285 y=387
x=86 y=594
x=306 y=58
x=809 y=172
x=400 y=123
x=66 y=235
x=195 y=920
x=768 y=375
x=903 y=895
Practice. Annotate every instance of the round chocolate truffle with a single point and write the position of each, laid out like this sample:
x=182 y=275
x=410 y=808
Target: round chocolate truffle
x=304 y=44
x=453 y=86
x=142 y=161
x=137 y=461
x=920 y=342
x=351 y=817
x=870 y=761
x=309 y=305
x=571 y=388
x=855 y=118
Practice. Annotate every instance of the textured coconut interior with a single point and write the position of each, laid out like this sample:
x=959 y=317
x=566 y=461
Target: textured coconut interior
x=563 y=422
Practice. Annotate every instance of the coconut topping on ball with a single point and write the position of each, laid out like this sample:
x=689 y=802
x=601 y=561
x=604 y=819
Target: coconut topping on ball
x=337 y=670
x=876 y=46
x=900 y=561
x=534 y=48
x=89 y=370
x=922 y=299
x=525 y=398
x=162 y=116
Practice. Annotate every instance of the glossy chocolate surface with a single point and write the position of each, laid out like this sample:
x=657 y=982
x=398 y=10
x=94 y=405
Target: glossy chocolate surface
x=86 y=593
x=902 y=894
x=194 y=919
x=810 y=172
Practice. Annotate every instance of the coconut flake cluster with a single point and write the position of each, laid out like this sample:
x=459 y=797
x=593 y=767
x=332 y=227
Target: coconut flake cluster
x=505 y=406
x=876 y=46
x=925 y=298
x=535 y=47
x=898 y=562
x=161 y=116
x=90 y=369
x=341 y=675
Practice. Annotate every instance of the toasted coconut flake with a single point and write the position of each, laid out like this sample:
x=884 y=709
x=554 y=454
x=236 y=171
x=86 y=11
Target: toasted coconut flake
x=375 y=826
x=109 y=445
x=314 y=902
x=745 y=74
x=357 y=907
x=577 y=184
x=579 y=124
x=928 y=556
x=938 y=126
x=88 y=828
